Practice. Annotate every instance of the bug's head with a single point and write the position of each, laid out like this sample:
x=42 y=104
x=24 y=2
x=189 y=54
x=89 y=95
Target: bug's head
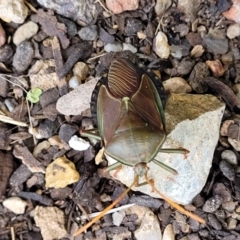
x=141 y=169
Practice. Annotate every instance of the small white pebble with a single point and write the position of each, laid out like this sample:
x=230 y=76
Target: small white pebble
x=118 y=217
x=74 y=82
x=78 y=143
x=130 y=47
x=113 y=47
x=15 y=204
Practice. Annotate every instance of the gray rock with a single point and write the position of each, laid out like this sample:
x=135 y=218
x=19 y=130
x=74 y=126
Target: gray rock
x=213 y=221
x=89 y=33
x=222 y=191
x=146 y=201
x=133 y=25
x=216 y=42
x=6 y=53
x=185 y=117
x=23 y=56
x=78 y=100
x=212 y=204
x=227 y=170
x=229 y=156
x=118 y=217
x=66 y=131
x=81 y=11
x=113 y=47
x=197 y=76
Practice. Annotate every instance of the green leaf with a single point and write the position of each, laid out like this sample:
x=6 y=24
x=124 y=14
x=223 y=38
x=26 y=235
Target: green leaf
x=34 y=94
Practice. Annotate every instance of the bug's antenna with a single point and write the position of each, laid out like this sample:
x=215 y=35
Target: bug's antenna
x=82 y=229
x=175 y=205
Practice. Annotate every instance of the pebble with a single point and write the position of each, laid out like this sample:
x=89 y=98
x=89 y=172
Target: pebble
x=198 y=74
x=161 y=6
x=2 y=36
x=176 y=51
x=216 y=42
x=197 y=51
x=47 y=128
x=130 y=47
x=118 y=217
x=235 y=143
x=227 y=170
x=182 y=29
x=133 y=25
x=51 y=222
x=231 y=223
x=89 y=33
x=229 y=206
x=56 y=141
x=190 y=8
x=6 y=53
x=229 y=156
x=149 y=227
x=82 y=12
x=15 y=11
x=234 y=12
x=74 y=82
x=66 y=131
x=113 y=47
x=105 y=36
x=160 y=45
x=223 y=5
x=44 y=145
x=78 y=100
x=80 y=69
x=15 y=204
x=177 y=85
x=23 y=56
x=222 y=191
x=212 y=204
x=168 y=233
x=213 y=221
x=25 y=32
x=122 y=5
x=40 y=76
x=78 y=144
x=60 y=173
x=233 y=31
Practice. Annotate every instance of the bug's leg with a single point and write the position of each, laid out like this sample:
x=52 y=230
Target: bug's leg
x=117 y=170
x=84 y=228
x=175 y=150
x=90 y=133
x=175 y=205
x=113 y=166
x=166 y=167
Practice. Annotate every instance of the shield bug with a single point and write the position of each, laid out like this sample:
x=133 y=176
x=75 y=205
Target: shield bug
x=129 y=107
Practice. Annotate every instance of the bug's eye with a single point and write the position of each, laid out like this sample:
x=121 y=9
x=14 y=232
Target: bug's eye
x=123 y=78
